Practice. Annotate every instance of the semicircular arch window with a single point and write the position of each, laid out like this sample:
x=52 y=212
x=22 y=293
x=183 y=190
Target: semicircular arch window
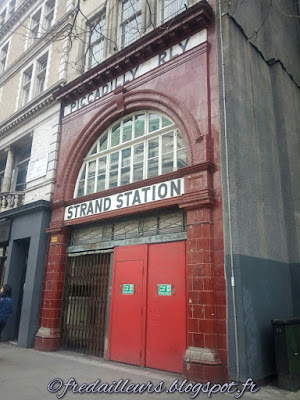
x=139 y=146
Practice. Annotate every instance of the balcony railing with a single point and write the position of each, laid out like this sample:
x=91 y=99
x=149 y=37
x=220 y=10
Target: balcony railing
x=9 y=200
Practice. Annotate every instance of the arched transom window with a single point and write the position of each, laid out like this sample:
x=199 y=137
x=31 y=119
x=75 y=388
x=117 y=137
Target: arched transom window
x=139 y=146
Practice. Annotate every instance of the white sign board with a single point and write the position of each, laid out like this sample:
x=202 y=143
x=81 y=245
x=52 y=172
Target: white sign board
x=37 y=168
x=144 y=195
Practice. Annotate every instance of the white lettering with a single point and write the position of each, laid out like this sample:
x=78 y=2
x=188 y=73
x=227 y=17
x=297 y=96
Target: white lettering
x=141 y=69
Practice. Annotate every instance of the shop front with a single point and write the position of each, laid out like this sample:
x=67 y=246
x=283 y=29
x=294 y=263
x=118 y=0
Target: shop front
x=135 y=269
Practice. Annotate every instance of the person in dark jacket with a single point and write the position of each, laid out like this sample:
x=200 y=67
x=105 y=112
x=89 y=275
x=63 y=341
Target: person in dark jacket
x=6 y=305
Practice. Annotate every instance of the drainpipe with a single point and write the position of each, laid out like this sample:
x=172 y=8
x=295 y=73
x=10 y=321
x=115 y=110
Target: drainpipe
x=228 y=198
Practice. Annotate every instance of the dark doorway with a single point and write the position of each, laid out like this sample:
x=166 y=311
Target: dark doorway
x=85 y=303
x=21 y=248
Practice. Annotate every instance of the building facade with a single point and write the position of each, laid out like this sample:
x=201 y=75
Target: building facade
x=31 y=70
x=258 y=46
x=137 y=207
x=174 y=234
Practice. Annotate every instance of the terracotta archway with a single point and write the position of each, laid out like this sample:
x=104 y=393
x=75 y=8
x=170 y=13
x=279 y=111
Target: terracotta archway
x=125 y=103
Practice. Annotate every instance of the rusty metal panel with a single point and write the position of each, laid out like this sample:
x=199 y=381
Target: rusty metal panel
x=84 y=303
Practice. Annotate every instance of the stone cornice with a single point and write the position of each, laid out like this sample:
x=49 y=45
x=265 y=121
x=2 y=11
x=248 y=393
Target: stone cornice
x=191 y=21
x=30 y=110
x=40 y=205
x=16 y=17
x=30 y=54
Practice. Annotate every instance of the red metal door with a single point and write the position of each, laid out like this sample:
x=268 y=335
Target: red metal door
x=127 y=317
x=166 y=310
x=148 y=324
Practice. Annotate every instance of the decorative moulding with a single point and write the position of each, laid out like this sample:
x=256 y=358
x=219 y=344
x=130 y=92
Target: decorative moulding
x=30 y=110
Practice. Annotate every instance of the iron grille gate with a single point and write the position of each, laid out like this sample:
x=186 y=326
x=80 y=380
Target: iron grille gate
x=85 y=303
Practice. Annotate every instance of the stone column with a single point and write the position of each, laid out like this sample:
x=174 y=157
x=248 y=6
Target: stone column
x=48 y=335
x=5 y=187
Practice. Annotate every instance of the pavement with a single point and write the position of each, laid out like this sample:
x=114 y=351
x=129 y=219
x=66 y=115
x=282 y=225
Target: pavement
x=27 y=374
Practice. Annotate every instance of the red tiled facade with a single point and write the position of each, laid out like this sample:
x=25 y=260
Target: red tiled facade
x=185 y=89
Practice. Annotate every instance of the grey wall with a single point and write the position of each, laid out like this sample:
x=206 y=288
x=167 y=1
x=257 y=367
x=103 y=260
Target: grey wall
x=32 y=226
x=263 y=120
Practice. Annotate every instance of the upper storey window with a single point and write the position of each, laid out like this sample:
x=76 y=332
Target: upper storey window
x=41 y=74
x=97 y=38
x=41 y=21
x=131 y=21
x=11 y=8
x=26 y=85
x=139 y=146
x=7 y=12
x=2 y=18
x=3 y=59
x=49 y=13
x=170 y=8
x=35 y=26
x=34 y=80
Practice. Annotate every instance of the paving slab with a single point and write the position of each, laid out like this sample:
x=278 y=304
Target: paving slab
x=27 y=374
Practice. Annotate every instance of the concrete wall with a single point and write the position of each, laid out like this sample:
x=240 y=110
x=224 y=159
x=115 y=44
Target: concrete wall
x=262 y=99
x=27 y=229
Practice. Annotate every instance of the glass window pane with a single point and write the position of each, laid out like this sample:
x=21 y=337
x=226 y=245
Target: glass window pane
x=181 y=159
x=180 y=141
x=153 y=148
x=152 y=167
x=167 y=143
x=167 y=163
x=100 y=183
x=170 y=8
x=101 y=165
x=113 y=179
x=131 y=30
x=130 y=7
x=115 y=135
x=90 y=186
x=139 y=125
x=83 y=172
x=96 y=54
x=138 y=172
x=166 y=122
x=21 y=176
x=138 y=153
x=114 y=161
x=127 y=130
x=91 y=169
x=94 y=150
x=80 y=191
x=103 y=142
x=125 y=175
x=126 y=157
x=153 y=122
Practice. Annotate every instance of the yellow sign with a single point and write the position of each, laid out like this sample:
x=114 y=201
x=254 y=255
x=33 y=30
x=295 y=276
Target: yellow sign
x=54 y=239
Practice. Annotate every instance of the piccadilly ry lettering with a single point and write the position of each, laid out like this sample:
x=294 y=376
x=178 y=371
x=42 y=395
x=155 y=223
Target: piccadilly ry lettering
x=141 y=69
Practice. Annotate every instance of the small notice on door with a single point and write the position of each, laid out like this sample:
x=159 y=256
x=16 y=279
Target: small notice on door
x=127 y=288
x=164 y=290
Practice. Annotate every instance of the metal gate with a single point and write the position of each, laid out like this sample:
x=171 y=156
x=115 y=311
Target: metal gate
x=85 y=303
